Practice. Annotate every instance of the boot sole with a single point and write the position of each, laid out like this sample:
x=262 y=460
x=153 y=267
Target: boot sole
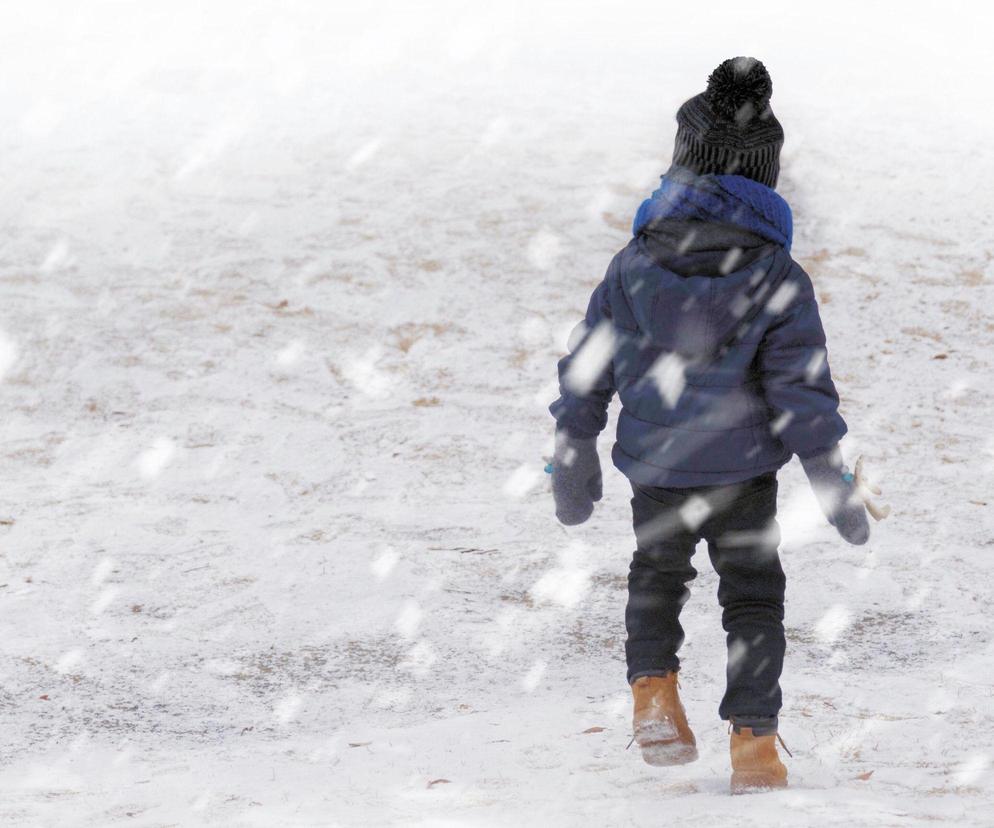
x=664 y=754
x=744 y=782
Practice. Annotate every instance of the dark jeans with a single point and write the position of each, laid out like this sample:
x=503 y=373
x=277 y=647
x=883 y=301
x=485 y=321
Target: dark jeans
x=739 y=524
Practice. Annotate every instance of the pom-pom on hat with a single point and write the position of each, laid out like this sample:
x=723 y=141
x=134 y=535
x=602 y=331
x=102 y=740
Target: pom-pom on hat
x=730 y=129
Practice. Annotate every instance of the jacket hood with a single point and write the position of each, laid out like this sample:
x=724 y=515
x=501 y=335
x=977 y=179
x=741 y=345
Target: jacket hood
x=689 y=284
x=700 y=248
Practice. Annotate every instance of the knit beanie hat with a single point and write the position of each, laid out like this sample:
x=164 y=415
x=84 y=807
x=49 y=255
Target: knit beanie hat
x=730 y=129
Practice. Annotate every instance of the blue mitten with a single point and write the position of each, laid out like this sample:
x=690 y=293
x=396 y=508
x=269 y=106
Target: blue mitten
x=835 y=488
x=576 y=477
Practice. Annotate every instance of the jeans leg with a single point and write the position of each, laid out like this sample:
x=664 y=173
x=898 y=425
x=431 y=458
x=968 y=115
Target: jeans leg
x=657 y=582
x=742 y=542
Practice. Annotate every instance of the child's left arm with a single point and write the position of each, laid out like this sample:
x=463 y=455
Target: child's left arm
x=798 y=386
x=797 y=381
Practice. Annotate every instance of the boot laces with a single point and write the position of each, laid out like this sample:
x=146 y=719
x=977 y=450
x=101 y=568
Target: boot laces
x=779 y=739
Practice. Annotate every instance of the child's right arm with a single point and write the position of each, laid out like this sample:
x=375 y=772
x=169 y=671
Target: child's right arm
x=586 y=378
x=586 y=386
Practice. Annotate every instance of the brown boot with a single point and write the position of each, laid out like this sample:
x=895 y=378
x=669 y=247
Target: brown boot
x=756 y=766
x=660 y=722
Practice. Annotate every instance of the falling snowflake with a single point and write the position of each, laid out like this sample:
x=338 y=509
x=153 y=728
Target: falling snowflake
x=385 y=563
x=781 y=298
x=57 y=258
x=409 y=619
x=780 y=424
x=832 y=624
x=287 y=708
x=737 y=651
x=363 y=154
x=729 y=261
x=151 y=462
x=594 y=355
x=576 y=335
x=686 y=242
x=101 y=571
x=495 y=132
x=543 y=249
x=815 y=365
x=568 y=582
x=9 y=353
x=970 y=771
x=694 y=512
x=669 y=375
x=522 y=480
x=103 y=600
x=565 y=586
x=363 y=373
x=530 y=680
x=291 y=354
x=69 y=660
x=420 y=659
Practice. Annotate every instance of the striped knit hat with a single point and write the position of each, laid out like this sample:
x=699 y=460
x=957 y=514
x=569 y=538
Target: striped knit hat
x=730 y=129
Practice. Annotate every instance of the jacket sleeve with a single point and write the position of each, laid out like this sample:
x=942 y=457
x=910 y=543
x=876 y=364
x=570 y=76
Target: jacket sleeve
x=797 y=382
x=586 y=377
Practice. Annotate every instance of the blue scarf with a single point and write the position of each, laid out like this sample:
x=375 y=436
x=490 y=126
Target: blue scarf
x=732 y=199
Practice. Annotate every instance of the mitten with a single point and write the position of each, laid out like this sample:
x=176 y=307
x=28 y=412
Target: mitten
x=576 y=477
x=838 y=495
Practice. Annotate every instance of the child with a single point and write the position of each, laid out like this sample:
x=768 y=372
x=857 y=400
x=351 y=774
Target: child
x=710 y=333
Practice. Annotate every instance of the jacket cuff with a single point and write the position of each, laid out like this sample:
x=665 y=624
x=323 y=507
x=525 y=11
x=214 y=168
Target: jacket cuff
x=574 y=433
x=829 y=453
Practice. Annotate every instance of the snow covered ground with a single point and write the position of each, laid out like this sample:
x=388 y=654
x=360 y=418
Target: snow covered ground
x=283 y=288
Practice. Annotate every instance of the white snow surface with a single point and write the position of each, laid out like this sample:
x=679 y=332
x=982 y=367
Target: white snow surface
x=284 y=285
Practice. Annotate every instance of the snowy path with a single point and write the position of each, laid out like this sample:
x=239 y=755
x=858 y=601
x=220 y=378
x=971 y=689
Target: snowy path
x=282 y=304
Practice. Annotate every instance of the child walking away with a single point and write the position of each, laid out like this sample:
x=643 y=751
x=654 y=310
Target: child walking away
x=709 y=331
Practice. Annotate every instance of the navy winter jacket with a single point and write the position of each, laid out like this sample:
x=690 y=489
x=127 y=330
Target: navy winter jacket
x=710 y=333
